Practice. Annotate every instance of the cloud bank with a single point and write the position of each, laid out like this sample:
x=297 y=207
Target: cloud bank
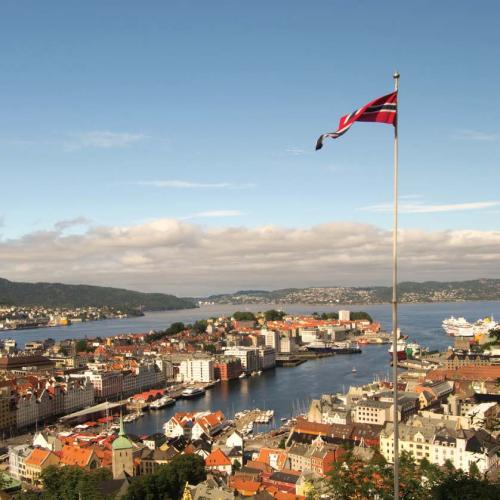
x=188 y=259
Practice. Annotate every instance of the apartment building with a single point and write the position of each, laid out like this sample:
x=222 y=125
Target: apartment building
x=248 y=356
x=267 y=358
x=107 y=385
x=441 y=440
x=197 y=370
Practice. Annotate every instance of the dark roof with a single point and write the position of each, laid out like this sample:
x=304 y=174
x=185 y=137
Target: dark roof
x=479 y=441
x=14 y=362
x=284 y=477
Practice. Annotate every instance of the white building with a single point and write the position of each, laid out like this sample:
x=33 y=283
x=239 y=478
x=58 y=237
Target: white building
x=267 y=358
x=17 y=456
x=308 y=335
x=248 y=356
x=442 y=441
x=344 y=315
x=197 y=370
x=272 y=338
x=288 y=344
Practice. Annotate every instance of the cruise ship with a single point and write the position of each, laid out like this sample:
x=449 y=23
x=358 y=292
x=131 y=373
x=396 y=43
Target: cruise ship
x=460 y=327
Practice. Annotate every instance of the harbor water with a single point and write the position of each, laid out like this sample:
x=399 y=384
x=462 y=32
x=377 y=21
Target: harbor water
x=287 y=391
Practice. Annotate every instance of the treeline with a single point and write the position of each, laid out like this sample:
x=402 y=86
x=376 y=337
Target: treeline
x=76 y=483
x=73 y=296
x=353 y=478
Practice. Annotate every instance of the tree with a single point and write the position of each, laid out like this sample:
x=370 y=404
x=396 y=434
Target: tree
x=274 y=315
x=457 y=485
x=210 y=348
x=168 y=481
x=244 y=316
x=360 y=315
x=81 y=345
x=200 y=326
x=173 y=329
x=72 y=483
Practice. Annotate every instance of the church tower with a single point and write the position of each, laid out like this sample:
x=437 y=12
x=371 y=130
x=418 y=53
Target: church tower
x=122 y=455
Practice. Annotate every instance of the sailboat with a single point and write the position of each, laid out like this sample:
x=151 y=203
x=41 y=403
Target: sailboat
x=354 y=369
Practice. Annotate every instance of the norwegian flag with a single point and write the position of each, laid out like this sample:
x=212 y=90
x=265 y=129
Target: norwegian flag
x=382 y=110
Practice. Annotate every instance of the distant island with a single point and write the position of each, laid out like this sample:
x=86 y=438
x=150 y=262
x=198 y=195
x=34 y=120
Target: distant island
x=77 y=296
x=409 y=292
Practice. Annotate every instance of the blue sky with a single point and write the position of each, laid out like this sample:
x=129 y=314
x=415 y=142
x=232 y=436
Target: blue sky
x=120 y=113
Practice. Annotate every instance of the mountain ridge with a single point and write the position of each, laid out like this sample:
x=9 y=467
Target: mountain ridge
x=64 y=295
x=408 y=292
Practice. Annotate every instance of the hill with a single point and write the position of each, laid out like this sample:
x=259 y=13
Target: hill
x=409 y=292
x=61 y=295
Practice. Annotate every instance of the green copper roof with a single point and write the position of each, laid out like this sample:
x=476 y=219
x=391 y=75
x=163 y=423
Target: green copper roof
x=121 y=442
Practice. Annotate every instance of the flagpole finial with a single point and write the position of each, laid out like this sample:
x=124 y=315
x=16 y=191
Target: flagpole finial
x=395 y=75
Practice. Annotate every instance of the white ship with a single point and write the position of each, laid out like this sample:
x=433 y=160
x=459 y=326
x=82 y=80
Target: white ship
x=163 y=402
x=192 y=392
x=458 y=327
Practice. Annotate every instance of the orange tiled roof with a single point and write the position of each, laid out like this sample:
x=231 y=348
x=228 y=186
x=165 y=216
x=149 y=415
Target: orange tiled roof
x=265 y=455
x=245 y=487
x=38 y=456
x=217 y=458
x=75 y=455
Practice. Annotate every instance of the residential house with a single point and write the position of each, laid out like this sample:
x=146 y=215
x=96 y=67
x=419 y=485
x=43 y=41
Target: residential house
x=219 y=461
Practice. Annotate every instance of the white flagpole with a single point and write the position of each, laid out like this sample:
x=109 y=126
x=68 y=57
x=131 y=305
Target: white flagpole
x=395 y=298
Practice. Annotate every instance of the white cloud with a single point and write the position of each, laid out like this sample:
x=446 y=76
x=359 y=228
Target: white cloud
x=475 y=135
x=187 y=259
x=423 y=208
x=178 y=184
x=103 y=139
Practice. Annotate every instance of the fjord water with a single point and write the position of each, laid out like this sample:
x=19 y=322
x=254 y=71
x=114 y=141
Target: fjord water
x=285 y=390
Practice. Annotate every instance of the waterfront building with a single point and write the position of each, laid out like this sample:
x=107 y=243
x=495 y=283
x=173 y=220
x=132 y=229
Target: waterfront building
x=197 y=370
x=309 y=334
x=248 y=356
x=267 y=358
x=288 y=344
x=107 y=385
x=442 y=440
x=166 y=367
x=227 y=368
